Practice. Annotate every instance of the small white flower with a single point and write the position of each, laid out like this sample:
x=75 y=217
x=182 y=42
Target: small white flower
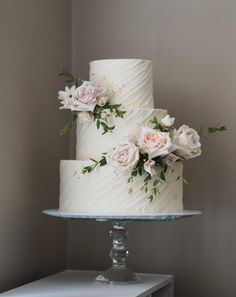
x=102 y=100
x=66 y=97
x=149 y=167
x=167 y=121
x=84 y=116
x=107 y=116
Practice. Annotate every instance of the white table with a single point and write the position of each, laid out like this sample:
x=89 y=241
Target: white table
x=78 y=283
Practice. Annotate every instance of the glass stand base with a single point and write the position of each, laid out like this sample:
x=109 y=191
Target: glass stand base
x=118 y=275
x=119 y=272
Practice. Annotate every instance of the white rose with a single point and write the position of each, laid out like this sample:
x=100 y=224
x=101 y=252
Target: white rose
x=85 y=96
x=149 y=167
x=124 y=157
x=155 y=143
x=187 y=142
x=84 y=116
x=102 y=101
x=167 y=121
x=170 y=159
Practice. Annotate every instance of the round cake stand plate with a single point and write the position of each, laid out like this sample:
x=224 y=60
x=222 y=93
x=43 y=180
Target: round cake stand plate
x=154 y=217
x=119 y=272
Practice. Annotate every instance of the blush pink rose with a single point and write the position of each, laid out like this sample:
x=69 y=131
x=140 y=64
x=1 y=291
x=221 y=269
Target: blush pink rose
x=85 y=97
x=124 y=157
x=155 y=143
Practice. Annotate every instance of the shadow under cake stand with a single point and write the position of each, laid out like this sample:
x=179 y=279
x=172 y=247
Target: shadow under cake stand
x=119 y=272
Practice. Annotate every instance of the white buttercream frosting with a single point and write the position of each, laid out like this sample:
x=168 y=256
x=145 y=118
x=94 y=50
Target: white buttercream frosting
x=129 y=80
x=106 y=191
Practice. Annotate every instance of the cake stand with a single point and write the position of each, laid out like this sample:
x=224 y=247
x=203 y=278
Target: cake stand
x=119 y=272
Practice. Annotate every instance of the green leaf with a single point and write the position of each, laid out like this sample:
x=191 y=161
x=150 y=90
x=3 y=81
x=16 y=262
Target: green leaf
x=86 y=169
x=69 y=77
x=130 y=179
x=156 y=182
x=165 y=167
x=154 y=191
x=134 y=172
x=185 y=180
x=147 y=178
x=140 y=170
x=98 y=124
x=162 y=176
x=217 y=128
x=150 y=198
x=103 y=161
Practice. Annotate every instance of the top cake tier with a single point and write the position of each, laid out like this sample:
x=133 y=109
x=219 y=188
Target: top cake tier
x=129 y=80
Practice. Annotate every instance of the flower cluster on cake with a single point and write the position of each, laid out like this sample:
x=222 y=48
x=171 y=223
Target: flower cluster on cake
x=135 y=166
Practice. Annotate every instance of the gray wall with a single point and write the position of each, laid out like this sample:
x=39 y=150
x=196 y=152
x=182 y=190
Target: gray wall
x=192 y=45
x=35 y=41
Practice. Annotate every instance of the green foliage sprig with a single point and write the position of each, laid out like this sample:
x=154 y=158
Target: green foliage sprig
x=101 y=121
x=70 y=78
x=69 y=123
x=101 y=162
x=211 y=130
x=158 y=178
x=217 y=128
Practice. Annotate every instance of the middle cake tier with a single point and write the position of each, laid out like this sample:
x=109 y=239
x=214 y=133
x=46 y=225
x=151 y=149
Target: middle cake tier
x=90 y=143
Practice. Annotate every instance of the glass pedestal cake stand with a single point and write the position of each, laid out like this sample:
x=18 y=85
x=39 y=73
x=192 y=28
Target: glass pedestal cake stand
x=119 y=272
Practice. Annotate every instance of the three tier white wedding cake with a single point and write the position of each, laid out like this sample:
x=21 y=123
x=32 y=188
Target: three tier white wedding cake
x=131 y=152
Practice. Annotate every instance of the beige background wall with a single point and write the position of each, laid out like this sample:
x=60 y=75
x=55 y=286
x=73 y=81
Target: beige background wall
x=192 y=45
x=35 y=42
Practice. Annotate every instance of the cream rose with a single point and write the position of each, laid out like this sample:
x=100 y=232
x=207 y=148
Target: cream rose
x=124 y=157
x=167 y=121
x=155 y=143
x=187 y=142
x=149 y=167
x=84 y=116
x=85 y=97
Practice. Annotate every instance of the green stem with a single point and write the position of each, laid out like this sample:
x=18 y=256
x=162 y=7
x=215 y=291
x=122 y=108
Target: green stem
x=69 y=124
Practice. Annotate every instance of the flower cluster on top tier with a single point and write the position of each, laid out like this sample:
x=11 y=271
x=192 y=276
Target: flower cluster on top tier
x=83 y=98
x=88 y=102
x=158 y=147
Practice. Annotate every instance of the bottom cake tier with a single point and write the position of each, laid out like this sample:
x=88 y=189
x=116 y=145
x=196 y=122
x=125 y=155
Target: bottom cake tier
x=105 y=191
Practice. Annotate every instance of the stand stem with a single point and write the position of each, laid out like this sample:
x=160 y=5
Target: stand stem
x=119 y=253
x=119 y=272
